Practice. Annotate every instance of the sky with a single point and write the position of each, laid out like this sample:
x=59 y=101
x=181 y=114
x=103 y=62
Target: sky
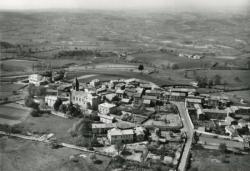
x=120 y=4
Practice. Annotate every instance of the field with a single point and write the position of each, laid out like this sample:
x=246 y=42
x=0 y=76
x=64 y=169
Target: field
x=236 y=96
x=22 y=155
x=234 y=78
x=42 y=35
x=50 y=124
x=12 y=115
x=207 y=160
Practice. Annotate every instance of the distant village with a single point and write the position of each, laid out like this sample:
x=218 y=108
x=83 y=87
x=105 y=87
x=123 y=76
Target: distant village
x=143 y=117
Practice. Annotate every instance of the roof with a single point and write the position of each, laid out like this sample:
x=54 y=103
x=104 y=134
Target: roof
x=116 y=131
x=146 y=101
x=125 y=100
x=139 y=130
x=215 y=111
x=108 y=105
x=106 y=116
x=110 y=96
x=51 y=97
x=150 y=97
x=185 y=90
x=119 y=91
x=103 y=125
x=124 y=125
x=175 y=93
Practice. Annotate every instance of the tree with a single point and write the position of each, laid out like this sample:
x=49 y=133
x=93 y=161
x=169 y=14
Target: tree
x=217 y=79
x=34 y=113
x=210 y=83
x=118 y=147
x=70 y=108
x=63 y=108
x=196 y=137
x=29 y=102
x=31 y=90
x=85 y=127
x=185 y=74
x=42 y=105
x=223 y=147
x=175 y=66
x=93 y=157
x=225 y=83
x=141 y=67
x=57 y=104
x=76 y=111
x=237 y=79
x=248 y=64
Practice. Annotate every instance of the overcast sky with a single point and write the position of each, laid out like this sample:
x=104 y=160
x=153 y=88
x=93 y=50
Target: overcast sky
x=121 y=4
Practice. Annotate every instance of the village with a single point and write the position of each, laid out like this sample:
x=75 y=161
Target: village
x=137 y=120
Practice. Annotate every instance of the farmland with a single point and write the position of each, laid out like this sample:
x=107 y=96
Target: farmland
x=44 y=35
x=206 y=160
x=17 y=155
x=39 y=41
x=12 y=115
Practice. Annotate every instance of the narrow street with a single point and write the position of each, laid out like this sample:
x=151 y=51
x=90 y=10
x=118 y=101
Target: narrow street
x=189 y=131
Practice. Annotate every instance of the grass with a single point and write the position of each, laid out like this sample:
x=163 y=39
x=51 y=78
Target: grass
x=23 y=155
x=14 y=65
x=50 y=124
x=12 y=115
x=228 y=76
x=236 y=96
x=7 y=89
x=206 y=160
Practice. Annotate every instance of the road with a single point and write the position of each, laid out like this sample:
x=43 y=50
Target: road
x=188 y=128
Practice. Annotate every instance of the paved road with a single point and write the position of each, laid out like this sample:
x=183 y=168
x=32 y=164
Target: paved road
x=188 y=128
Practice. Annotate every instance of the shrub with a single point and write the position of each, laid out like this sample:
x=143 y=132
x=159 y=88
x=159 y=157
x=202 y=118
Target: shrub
x=29 y=102
x=35 y=113
x=16 y=129
x=223 y=147
x=57 y=104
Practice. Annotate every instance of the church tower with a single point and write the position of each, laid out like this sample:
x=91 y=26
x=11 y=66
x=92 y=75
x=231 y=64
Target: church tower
x=75 y=84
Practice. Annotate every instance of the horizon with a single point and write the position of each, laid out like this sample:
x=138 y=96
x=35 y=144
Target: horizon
x=228 y=5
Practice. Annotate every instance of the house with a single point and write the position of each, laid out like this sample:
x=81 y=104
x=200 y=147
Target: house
x=50 y=100
x=110 y=96
x=194 y=99
x=147 y=103
x=199 y=110
x=106 y=118
x=139 y=133
x=156 y=93
x=125 y=101
x=153 y=99
x=63 y=91
x=102 y=128
x=242 y=123
x=106 y=108
x=130 y=92
x=94 y=83
x=85 y=99
x=37 y=80
x=241 y=110
x=101 y=90
x=174 y=96
x=120 y=93
x=146 y=86
x=231 y=131
x=137 y=99
x=215 y=113
x=229 y=120
x=117 y=135
x=120 y=86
